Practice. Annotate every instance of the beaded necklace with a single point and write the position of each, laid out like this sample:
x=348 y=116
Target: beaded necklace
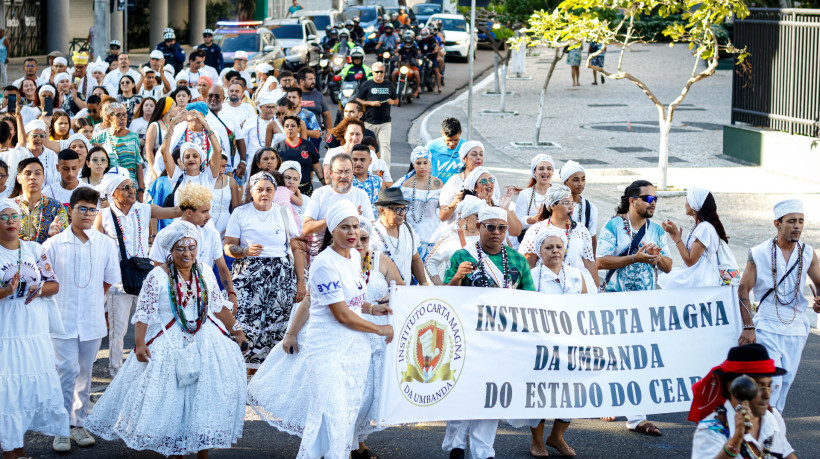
x=568 y=231
x=19 y=200
x=77 y=264
x=368 y=265
x=777 y=301
x=413 y=199
x=532 y=199
x=139 y=233
x=505 y=267
x=384 y=243
x=188 y=138
x=178 y=303
x=628 y=229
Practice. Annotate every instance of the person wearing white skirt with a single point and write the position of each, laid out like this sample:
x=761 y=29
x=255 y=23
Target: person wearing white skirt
x=31 y=397
x=452 y=240
x=182 y=390
x=423 y=193
x=317 y=393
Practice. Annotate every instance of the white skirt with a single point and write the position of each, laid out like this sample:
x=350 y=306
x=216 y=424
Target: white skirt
x=144 y=407
x=31 y=397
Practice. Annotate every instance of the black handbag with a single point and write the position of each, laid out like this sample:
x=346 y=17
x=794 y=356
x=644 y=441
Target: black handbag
x=169 y=200
x=134 y=270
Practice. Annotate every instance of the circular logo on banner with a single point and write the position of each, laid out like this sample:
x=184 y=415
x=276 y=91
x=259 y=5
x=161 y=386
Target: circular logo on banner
x=305 y=154
x=431 y=352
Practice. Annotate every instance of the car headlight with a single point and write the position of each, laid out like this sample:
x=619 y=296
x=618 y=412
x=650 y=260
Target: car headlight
x=292 y=52
x=463 y=42
x=348 y=92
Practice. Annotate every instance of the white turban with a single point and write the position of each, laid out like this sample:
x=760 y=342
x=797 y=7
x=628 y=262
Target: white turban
x=61 y=76
x=98 y=66
x=556 y=193
x=492 y=213
x=546 y=232
x=79 y=137
x=470 y=205
x=420 y=152
x=540 y=158
x=266 y=99
x=365 y=225
x=789 y=206
x=291 y=165
x=263 y=68
x=9 y=204
x=569 y=169
x=467 y=146
x=112 y=179
x=338 y=212
x=34 y=125
x=695 y=197
x=472 y=178
x=59 y=60
x=46 y=88
x=192 y=146
x=177 y=231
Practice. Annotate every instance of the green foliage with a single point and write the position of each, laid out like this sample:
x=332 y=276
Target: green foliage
x=219 y=11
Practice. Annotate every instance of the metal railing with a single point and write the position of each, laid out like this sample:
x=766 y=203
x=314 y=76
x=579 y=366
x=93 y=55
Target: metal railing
x=780 y=88
x=24 y=27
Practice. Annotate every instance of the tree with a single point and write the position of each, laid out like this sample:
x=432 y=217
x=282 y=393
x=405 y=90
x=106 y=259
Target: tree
x=576 y=21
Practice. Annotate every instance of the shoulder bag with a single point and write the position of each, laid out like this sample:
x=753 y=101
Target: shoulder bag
x=633 y=248
x=134 y=270
x=169 y=200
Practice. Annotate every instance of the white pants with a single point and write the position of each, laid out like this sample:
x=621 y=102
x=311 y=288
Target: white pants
x=633 y=421
x=74 y=359
x=786 y=351
x=383 y=132
x=118 y=304
x=482 y=437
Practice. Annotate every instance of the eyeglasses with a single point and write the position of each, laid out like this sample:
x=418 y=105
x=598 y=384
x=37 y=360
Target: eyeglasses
x=491 y=227
x=88 y=210
x=38 y=136
x=120 y=115
x=488 y=181
x=216 y=96
x=342 y=173
x=126 y=188
x=185 y=248
x=378 y=71
x=647 y=198
x=398 y=210
x=12 y=217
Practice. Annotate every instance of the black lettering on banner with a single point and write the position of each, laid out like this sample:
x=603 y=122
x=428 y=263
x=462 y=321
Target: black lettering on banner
x=633 y=393
x=530 y=394
x=506 y=395
x=553 y=394
x=596 y=395
x=545 y=325
x=534 y=316
x=514 y=313
x=617 y=390
x=566 y=323
x=502 y=318
x=492 y=395
x=524 y=327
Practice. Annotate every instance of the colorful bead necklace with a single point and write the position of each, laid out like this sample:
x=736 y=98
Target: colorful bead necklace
x=178 y=303
x=30 y=225
x=139 y=234
x=505 y=267
x=189 y=137
x=367 y=267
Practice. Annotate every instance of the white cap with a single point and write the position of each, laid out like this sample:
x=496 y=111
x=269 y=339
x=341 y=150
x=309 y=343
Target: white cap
x=60 y=60
x=241 y=55
x=492 y=213
x=156 y=54
x=266 y=99
x=789 y=206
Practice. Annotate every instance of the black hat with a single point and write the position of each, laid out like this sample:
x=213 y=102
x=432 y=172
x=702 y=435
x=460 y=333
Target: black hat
x=388 y=196
x=751 y=360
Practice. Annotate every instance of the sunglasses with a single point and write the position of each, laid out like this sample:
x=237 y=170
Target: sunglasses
x=491 y=227
x=5 y=218
x=488 y=181
x=38 y=136
x=98 y=161
x=378 y=71
x=88 y=210
x=398 y=210
x=649 y=199
x=185 y=248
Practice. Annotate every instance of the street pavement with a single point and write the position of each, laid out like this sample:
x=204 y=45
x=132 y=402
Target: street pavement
x=587 y=122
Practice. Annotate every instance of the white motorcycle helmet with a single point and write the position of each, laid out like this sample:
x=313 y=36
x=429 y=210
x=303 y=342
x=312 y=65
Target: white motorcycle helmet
x=357 y=52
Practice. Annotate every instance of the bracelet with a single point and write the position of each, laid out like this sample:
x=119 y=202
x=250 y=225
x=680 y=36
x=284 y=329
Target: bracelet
x=748 y=327
x=633 y=258
x=678 y=241
x=730 y=450
x=245 y=251
x=237 y=326
x=231 y=293
x=242 y=161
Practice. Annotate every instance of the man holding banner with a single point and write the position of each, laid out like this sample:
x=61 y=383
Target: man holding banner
x=780 y=323
x=487 y=263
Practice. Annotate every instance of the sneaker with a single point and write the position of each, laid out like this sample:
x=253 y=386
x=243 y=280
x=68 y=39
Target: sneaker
x=61 y=444
x=82 y=437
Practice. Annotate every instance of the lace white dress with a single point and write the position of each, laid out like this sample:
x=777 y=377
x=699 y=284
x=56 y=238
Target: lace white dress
x=221 y=206
x=579 y=248
x=145 y=408
x=423 y=215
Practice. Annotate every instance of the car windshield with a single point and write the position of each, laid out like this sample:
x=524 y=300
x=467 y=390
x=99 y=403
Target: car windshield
x=427 y=9
x=320 y=21
x=232 y=42
x=365 y=15
x=457 y=25
x=286 y=31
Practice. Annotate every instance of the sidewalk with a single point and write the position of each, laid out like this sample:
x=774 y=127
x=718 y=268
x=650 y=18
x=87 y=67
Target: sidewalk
x=611 y=129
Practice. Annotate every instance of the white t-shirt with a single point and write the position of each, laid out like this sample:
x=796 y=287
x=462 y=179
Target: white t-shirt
x=56 y=191
x=112 y=80
x=579 y=215
x=244 y=73
x=334 y=278
x=323 y=199
x=527 y=205
x=155 y=93
x=241 y=113
x=139 y=126
x=252 y=226
x=253 y=131
x=209 y=250
x=48 y=158
x=205 y=178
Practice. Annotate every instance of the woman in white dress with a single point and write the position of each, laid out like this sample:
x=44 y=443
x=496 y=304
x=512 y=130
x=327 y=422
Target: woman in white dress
x=196 y=166
x=226 y=196
x=455 y=239
x=531 y=199
x=472 y=155
x=552 y=276
x=30 y=393
x=423 y=193
x=556 y=213
x=182 y=390
x=700 y=252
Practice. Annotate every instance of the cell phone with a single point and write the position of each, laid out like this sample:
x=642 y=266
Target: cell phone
x=48 y=105
x=32 y=294
x=12 y=103
x=244 y=346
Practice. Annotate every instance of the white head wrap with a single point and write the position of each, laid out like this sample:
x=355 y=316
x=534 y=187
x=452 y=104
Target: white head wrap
x=192 y=146
x=34 y=125
x=546 y=232
x=60 y=77
x=263 y=68
x=467 y=146
x=789 y=206
x=79 y=136
x=9 y=204
x=46 y=88
x=492 y=213
x=98 y=66
x=365 y=225
x=472 y=178
x=556 y=193
x=177 y=231
x=420 y=152
x=470 y=205
x=112 y=179
x=291 y=165
x=258 y=177
x=540 y=158
x=695 y=197
x=339 y=211
x=59 y=60
x=569 y=169
x=266 y=99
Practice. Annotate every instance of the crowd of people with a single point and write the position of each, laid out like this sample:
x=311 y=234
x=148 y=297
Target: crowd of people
x=245 y=236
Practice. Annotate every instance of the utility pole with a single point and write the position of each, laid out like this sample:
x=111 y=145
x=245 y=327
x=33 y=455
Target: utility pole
x=470 y=57
x=101 y=31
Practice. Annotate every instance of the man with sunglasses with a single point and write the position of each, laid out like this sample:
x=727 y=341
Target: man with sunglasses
x=377 y=95
x=632 y=249
x=394 y=237
x=486 y=263
x=86 y=261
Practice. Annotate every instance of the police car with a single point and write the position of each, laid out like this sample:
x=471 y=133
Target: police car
x=248 y=36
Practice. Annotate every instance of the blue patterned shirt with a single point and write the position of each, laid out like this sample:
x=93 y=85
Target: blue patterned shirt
x=613 y=239
x=309 y=119
x=371 y=185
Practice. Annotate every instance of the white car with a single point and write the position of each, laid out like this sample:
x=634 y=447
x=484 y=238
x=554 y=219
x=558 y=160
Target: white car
x=456 y=38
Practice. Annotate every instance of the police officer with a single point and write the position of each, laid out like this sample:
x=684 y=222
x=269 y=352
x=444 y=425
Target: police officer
x=114 y=47
x=344 y=45
x=174 y=54
x=356 y=66
x=356 y=31
x=331 y=36
x=213 y=53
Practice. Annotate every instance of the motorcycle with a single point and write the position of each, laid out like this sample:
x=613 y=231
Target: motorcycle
x=334 y=68
x=386 y=57
x=347 y=91
x=406 y=86
x=427 y=75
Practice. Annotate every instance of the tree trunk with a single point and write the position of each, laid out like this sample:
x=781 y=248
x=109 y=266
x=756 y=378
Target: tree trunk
x=540 y=117
x=665 y=123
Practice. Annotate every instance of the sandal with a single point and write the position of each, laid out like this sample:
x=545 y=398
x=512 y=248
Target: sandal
x=647 y=428
x=565 y=451
x=366 y=454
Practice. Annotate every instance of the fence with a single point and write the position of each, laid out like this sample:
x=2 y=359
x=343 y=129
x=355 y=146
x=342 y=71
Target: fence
x=780 y=89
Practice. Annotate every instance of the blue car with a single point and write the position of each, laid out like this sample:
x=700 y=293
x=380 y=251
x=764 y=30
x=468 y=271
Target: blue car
x=368 y=20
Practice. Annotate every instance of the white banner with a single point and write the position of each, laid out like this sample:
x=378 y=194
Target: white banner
x=489 y=353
